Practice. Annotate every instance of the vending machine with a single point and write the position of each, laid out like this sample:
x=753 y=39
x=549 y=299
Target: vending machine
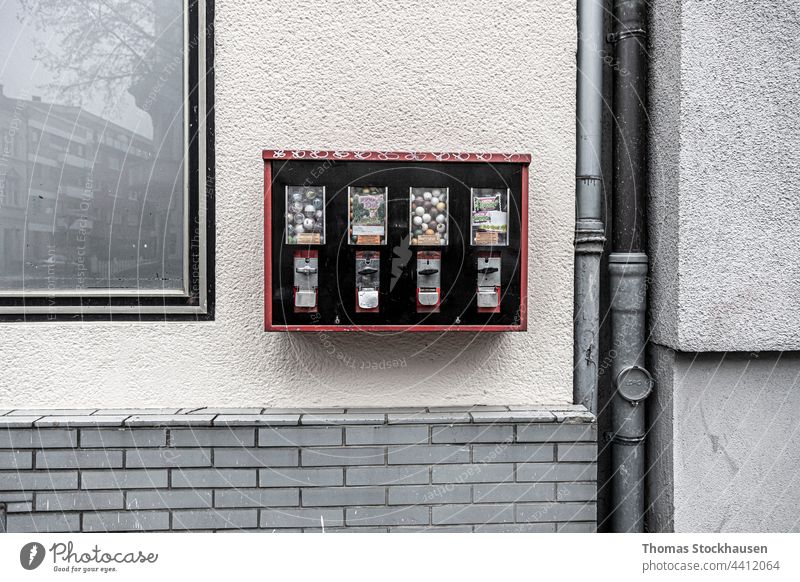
x=395 y=241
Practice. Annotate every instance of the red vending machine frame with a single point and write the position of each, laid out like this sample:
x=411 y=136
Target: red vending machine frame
x=271 y=156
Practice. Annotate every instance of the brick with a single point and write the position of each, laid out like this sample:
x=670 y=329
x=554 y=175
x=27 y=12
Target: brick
x=47 y=481
x=334 y=497
x=213 y=437
x=168 y=457
x=124 y=479
x=15 y=496
x=79 y=501
x=515 y=417
x=299 y=437
x=78 y=459
x=393 y=410
x=484 y=433
x=430 y=418
x=257 y=498
x=342 y=419
x=303 y=411
x=169 y=499
x=256 y=457
x=427 y=454
x=228 y=411
x=400 y=475
x=577 y=453
x=16 y=460
x=300 y=477
x=473 y=473
x=19 y=507
x=346 y=530
x=111 y=438
x=200 y=478
x=577 y=527
x=473 y=514
x=386 y=435
x=70 y=421
x=432 y=529
x=125 y=521
x=8 y=422
x=43 y=522
x=333 y=456
x=38 y=439
x=376 y=516
x=576 y=491
x=544 y=433
x=513 y=492
x=429 y=494
x=536 y=512
x=516 y=528
x=170 y=420
x=295 y=517
x=131 y=411
x=556 y=472
x=574 y=416
x=215 y=519
x=53 y=412
x=257 y=420
x=512 y=453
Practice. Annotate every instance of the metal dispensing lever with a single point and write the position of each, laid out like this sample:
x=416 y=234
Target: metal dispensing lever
x=306 y=270
x=429 y=284
x=367 y=284
x=488 y=292
x=306 y=281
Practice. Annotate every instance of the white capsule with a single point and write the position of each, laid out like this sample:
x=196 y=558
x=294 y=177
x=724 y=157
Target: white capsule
x=419 y=211
x=441 y=218
x=434 y=201
x=426 y=217
x=427 y=196
x=417 y=220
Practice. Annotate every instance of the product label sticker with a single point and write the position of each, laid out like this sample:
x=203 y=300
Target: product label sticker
x=489 y=217
x=367 y=220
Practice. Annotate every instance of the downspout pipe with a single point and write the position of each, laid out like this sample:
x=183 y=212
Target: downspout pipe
x=589 y=227
x=628 y=267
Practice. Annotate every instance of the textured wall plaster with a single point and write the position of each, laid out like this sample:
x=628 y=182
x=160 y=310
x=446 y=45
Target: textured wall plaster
x=736 y=442
x=724 y=175
x=468 y=76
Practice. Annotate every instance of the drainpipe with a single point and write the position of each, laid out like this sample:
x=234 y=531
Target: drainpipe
x=589 y=227
x=628 y=269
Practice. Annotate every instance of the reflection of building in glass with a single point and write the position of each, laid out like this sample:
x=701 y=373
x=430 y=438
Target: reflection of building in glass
x=80 y=202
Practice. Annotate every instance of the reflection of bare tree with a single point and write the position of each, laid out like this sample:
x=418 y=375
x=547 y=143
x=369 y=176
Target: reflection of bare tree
x=103 y=44
x=131 y=185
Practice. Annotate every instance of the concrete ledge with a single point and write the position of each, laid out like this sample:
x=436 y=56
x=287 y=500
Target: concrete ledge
x=199 y=417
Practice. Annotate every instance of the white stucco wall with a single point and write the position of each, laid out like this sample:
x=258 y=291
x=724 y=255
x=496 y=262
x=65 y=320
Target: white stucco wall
x=466 y=76
x=724 y=155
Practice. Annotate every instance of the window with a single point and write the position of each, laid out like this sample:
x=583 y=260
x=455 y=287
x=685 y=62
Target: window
x=120 y=110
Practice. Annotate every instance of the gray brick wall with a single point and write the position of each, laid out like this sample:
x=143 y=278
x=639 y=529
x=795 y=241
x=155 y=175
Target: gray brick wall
x=478 y=469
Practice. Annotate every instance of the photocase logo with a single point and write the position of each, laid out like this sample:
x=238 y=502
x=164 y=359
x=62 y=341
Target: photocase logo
x=31 y=555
